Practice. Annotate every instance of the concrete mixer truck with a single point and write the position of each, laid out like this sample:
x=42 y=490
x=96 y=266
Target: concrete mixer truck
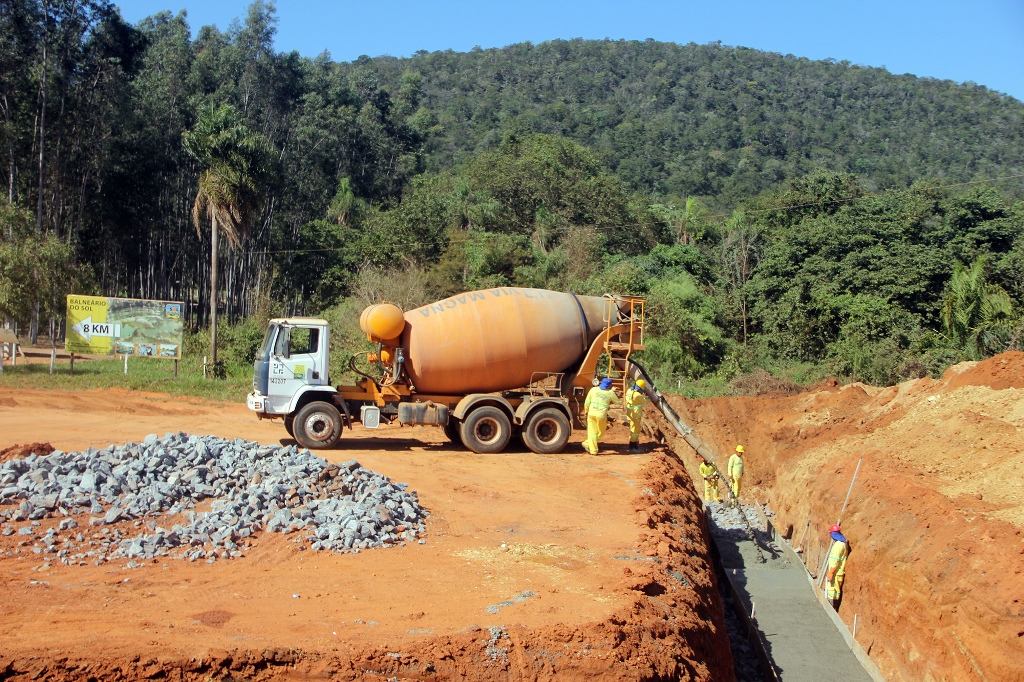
x=483 y=365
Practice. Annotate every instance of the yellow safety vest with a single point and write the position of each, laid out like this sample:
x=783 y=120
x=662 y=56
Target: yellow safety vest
x=635 y=400
x=736 y=466
x=837 y=556
x=598 y=401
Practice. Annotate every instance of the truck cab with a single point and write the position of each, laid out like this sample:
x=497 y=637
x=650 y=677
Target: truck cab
x=291 y=364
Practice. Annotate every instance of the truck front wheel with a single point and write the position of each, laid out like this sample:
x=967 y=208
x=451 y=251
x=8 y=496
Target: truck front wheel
x=546 y=431
x=317 y=425
x=486 y=430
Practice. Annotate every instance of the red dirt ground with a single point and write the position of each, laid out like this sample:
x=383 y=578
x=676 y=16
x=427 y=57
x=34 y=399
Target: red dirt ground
x=601 y=541
x=936 y=515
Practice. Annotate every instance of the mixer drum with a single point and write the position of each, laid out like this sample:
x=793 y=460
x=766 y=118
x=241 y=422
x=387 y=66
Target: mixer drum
x=495 y=339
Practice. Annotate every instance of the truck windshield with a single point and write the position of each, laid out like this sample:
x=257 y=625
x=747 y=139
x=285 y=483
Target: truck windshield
x=268 y=341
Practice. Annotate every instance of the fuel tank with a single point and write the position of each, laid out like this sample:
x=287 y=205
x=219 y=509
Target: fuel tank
x=496 y=339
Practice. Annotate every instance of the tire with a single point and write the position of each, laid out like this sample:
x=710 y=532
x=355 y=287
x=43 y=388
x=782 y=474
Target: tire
x=486 y=430
x=546 y=431
x=289 y=425
x=451 y=429
x=317 y=425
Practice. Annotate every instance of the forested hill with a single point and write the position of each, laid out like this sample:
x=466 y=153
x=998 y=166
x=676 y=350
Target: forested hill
x=710 y=120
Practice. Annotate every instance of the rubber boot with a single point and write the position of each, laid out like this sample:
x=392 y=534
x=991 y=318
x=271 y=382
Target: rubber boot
x=634 y=447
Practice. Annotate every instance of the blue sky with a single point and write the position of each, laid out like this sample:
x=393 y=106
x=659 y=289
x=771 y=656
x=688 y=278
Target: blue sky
x=976 y=40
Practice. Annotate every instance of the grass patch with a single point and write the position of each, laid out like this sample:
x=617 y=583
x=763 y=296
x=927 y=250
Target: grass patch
x=143 y=375
x=778 y=379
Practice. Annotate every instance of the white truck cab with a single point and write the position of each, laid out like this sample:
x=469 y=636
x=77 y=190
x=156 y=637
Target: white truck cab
x=291 y=362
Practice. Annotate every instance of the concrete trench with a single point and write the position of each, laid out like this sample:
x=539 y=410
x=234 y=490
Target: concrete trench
x=780 y=627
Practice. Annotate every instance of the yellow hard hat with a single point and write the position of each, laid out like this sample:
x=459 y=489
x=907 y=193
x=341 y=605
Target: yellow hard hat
x=739 y=448
x=641 y=383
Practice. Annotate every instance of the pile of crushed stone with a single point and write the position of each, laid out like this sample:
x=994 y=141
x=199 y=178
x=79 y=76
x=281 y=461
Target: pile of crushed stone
x=253 y=488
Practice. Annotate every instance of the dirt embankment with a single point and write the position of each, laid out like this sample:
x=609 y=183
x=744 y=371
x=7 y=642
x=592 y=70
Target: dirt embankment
x=935 y=518
x=563 y=567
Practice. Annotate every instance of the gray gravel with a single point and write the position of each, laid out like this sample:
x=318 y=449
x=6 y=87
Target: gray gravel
x=730 y=533
x=254 y=488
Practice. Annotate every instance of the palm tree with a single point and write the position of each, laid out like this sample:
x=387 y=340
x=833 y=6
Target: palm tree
x=976 y=314
x=345 y=206
x=237 y=167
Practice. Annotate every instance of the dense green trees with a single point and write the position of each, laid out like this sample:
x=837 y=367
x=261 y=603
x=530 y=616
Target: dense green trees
x=36 y=271
x=715 y=121
x=848 y=276
x=774 y=209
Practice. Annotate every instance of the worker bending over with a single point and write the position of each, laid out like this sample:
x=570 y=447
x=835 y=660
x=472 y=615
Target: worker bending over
x=596 y=406
x=736 y=474
x=634 y=401
x=836 y=566
x=710 y=476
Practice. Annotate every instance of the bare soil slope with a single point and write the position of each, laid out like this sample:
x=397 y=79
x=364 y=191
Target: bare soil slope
x=567 y=567
x=935 y=519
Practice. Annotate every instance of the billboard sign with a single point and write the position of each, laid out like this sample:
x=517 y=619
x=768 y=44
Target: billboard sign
x=124 y=326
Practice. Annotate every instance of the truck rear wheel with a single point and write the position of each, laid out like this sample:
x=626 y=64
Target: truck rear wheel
x=317 y=425
x=546 y=431
x=486 y=430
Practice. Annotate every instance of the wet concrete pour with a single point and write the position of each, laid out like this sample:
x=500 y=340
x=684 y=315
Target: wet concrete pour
x=801 y=640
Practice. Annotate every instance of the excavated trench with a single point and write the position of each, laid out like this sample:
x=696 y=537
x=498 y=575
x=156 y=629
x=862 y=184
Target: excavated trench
x=778 y=626
x=935 y=517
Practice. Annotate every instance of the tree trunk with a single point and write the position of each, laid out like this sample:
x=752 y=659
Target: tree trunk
x=743 y=307
x=213 y=290
x=42 y=139
x=33 y=326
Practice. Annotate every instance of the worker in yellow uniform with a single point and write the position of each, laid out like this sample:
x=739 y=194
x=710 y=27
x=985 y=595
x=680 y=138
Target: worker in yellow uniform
x=736 y=473
x=596 y=407
x=634 y=401
x=710 y=476
x=836 y=566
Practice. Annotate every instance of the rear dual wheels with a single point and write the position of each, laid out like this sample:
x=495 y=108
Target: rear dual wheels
x=317 y=425
x=486 y=430
x=546 y=431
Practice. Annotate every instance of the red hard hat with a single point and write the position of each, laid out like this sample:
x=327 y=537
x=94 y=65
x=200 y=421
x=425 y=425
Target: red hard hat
x=834 y=528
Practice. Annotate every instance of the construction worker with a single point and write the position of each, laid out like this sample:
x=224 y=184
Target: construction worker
x=596 y=406
x=736 y=473
x=710 y=475
x=836 y=566
x=634 y=401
